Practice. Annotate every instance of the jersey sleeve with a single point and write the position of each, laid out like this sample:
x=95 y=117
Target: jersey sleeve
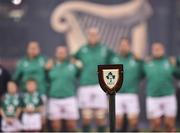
x=178 y=61
x=110 y=56
x=18 y=72
x=77 y=55
x=22 y=103
x=40 y=101
x=1 y=102
x=143 y=66
x=176 y=69
x=141 y=69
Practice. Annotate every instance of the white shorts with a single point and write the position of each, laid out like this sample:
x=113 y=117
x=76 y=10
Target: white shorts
x=65 y=108
x=32 y=121
x=127 y=104
x=92 y=97
x=15 y=126
x=159 y=106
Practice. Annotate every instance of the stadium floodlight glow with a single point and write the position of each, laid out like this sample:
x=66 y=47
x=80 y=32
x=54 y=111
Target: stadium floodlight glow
x=16 y=2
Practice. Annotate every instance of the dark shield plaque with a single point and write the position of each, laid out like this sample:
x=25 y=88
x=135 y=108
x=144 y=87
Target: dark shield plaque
x=110 y=77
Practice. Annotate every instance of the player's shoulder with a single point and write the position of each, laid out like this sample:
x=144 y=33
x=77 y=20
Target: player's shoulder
x=3 y=97
x=22 y=60
x=42 y=57
x=136 y=56
x=103 y=46
x=115 y=58
x=148 y=61
x=83 y=49
x=71 y=66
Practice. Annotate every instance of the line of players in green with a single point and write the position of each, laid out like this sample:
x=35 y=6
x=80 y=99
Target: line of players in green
x=47 y=88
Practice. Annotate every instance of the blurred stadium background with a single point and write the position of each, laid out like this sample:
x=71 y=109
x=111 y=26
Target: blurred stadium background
x=25 y=20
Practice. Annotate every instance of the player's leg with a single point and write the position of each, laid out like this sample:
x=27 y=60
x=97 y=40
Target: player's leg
x=100 y=117
x=56 y=125
x=44 y=113
x=55 y=114
x=132 y=110
x=154 y=112
x=87 y=116
x=155 y=124
x=71 y=125
x=84 y=99
x=99 y=103
x=133 y=122
x=170 y=124
x=71 y=114
x=170 y=111
x=119 y=123
x=119 y=113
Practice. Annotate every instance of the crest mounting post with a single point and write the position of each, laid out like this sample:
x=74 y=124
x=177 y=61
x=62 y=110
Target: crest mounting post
x=111 y=79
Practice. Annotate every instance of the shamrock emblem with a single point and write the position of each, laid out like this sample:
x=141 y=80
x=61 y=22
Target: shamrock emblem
x=110 y=77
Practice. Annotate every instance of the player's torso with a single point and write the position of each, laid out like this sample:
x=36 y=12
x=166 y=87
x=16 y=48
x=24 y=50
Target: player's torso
x=62 y=79
x=90 y=58
x=159 y=74
x=31 y=100
x=33 y=69
x=10 y=104
x=132 y=73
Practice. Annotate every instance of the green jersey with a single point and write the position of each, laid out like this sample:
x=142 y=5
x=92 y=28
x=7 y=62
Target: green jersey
x=91 y=57
x=10 y=104
x=62 y=80
x=31 y=100
x=132 y=72
x=159 y=75
x=178 y=60
x=31 y=68
x=177 y=68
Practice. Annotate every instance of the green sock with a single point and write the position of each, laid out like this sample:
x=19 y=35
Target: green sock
x=101 y=128
x=86 y=128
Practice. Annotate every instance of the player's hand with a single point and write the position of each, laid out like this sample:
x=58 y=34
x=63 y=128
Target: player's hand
x=49 y=64
x=30 y=110
x=78 y=63
x=137 y=56
x=9 y=120
x=172 y=60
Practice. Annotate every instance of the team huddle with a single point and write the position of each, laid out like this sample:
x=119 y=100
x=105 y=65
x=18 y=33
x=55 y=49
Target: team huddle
x=66 y=88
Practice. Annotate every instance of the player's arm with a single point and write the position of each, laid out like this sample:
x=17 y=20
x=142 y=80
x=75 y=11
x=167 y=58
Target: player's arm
x=2 y=113
x=50 y=63
x=23 y=106
x=176 y=67
x=143 y=65
x=40 y=108
x=18 y=72
x=76 y=62
x=141 y=62
x=110 y=56
x=18 y=112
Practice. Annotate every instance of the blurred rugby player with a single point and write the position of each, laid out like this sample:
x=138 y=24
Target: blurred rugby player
x=92 y=100
x=161 y=99
x=62 y=100
x=127 y=99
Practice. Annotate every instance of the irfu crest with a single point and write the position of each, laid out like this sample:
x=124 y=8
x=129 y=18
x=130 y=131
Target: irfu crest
x=110 y=77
